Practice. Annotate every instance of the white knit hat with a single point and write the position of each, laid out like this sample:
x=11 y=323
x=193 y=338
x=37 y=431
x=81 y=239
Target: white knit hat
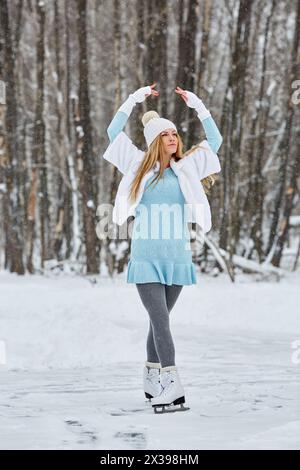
x=154 y=125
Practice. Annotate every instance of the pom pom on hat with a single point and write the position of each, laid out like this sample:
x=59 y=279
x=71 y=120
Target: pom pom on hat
x=148 y=116
x=154 y=125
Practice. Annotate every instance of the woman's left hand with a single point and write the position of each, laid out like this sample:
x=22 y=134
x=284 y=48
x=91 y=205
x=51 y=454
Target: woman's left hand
x=182 y=93
x=189 y=97
x=193 y=101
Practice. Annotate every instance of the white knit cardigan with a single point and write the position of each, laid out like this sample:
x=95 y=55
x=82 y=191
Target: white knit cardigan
x=192 y=168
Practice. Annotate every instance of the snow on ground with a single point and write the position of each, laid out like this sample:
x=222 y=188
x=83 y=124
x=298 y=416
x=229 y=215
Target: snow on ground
x=75 y=351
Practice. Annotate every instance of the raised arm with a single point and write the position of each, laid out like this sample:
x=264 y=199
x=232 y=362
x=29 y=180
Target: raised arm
x=121 y=150
x=211 y=130
x=117 y=124
x=121 y=117
x=207 y=161
x=212 y=133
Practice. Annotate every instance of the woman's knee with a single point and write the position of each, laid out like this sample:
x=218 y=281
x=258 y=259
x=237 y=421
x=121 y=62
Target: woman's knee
x=152 y=296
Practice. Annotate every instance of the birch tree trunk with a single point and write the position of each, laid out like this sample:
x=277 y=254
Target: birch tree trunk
x=290 y=171
x=232 y=130
x=86 y=164
x=10 y=158
x=186 y=72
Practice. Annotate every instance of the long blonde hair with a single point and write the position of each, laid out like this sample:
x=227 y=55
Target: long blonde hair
x=154 y=154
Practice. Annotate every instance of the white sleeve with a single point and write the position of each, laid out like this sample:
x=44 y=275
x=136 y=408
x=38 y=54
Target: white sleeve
x=121 y=152
x=206 y=160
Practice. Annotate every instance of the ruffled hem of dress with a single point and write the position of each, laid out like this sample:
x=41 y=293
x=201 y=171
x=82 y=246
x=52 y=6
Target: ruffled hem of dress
x=166 y=272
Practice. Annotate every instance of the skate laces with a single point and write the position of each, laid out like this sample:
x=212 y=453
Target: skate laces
x=152 y=374
x=167 y=381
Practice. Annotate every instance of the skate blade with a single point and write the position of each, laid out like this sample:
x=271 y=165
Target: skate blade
x=160 y=409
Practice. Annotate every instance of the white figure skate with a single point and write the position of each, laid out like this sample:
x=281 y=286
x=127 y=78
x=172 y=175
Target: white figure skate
x=172 y=393
x=151 y=379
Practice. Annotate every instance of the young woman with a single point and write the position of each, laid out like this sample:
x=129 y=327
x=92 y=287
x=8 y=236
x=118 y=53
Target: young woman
x=156 y=187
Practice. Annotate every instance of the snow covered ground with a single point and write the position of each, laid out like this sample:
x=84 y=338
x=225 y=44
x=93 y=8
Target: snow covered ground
x=75 y=351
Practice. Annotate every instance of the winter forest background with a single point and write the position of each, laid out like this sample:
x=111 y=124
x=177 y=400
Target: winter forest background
x=65 y=68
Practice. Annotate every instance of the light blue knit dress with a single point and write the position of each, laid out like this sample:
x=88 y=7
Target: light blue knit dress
x=162 y=255
x=160 y=246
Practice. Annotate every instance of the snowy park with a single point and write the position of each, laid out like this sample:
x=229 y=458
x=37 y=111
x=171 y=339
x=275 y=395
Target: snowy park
x=74 y=352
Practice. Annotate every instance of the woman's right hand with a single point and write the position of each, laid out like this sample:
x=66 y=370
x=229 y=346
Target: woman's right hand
x=142 y=93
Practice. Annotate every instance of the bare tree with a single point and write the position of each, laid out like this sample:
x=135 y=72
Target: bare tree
x=232 y=129
x=86 y=163
x=10 y=168
x=288 y=181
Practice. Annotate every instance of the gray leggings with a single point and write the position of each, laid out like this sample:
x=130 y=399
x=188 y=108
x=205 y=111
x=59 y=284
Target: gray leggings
x=159 y=299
